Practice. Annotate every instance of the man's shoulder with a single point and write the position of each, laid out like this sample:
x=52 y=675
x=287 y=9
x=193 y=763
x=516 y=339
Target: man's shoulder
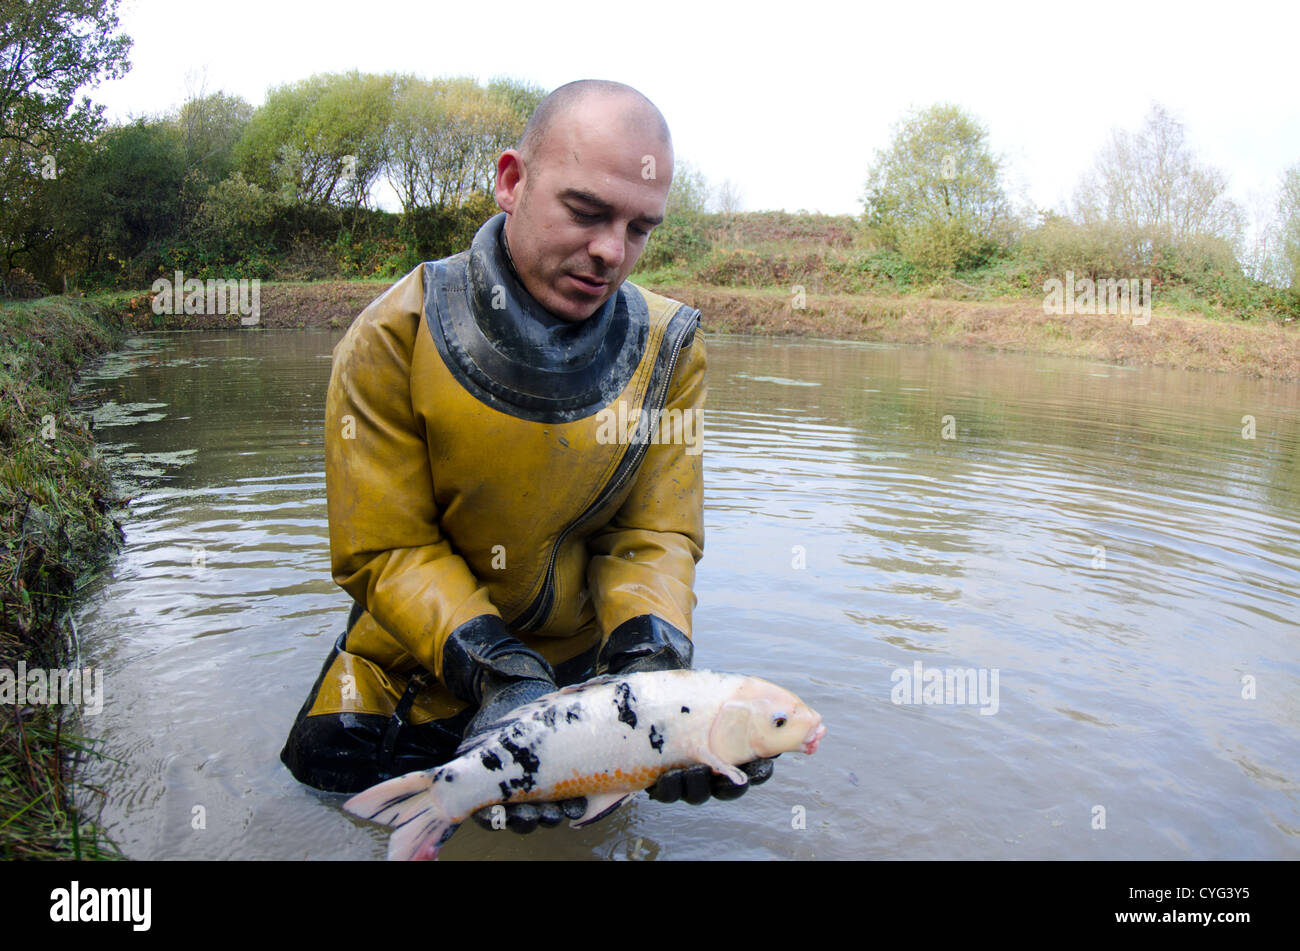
x=674 y=316
x=394 y=316
x=406 y=294
x=659 y=305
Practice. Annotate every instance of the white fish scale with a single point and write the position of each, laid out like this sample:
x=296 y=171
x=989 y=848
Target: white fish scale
x=585 y=732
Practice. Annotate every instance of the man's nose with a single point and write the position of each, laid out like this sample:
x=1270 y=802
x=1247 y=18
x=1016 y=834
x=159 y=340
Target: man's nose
x=608 y=248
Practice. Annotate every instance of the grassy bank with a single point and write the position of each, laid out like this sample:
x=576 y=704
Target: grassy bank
x=828 y=276
x=56 y=527
x=832 y=276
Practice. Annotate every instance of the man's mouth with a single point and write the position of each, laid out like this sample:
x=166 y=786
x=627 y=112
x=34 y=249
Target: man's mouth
x=590 y=285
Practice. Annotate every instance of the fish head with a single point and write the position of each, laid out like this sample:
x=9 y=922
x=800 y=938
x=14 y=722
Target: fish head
x=762 y=719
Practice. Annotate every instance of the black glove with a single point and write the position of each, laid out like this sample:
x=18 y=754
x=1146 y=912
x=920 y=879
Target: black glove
x=643 y=644
x=649 y=643
x=695 y=784
x=484 y=663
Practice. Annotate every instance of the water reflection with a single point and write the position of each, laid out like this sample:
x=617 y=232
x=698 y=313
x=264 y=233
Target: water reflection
x=1104 y=537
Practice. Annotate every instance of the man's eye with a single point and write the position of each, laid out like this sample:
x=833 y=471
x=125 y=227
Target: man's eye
x=639 y=232
x=584 y=215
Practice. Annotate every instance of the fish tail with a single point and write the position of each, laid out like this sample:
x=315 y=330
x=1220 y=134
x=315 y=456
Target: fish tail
x=413 y=805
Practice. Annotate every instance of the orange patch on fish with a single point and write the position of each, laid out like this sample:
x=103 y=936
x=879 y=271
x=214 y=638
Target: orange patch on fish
x=615 y=780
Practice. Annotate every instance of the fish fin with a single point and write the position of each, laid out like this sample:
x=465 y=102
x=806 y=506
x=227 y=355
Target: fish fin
x=737 y=776
x=598 y=807
x=411 y=803
x=490 y=733
x=420 y=840
x=732 y=718
x=527 y=710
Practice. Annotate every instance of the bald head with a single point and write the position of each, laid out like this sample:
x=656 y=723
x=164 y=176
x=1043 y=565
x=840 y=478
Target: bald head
x=632 y=112
x=582 y=193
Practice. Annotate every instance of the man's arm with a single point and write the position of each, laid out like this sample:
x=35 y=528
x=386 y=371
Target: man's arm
x=643 y=562
x=387 y=548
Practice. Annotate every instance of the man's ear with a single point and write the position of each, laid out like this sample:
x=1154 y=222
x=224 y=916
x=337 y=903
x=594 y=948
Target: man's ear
x=510 y=180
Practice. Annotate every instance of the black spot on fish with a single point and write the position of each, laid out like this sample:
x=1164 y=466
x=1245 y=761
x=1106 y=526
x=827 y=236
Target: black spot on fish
x=623 y=698
x=522 y=755
x=656 y=739
x=573 y=713
x=505 y=790
x=490 y=759
x=548 y=717
x=686 y=709
x=448 y=777
x=524 y=782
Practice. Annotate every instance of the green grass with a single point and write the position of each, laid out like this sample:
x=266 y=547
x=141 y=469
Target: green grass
x=55 y=531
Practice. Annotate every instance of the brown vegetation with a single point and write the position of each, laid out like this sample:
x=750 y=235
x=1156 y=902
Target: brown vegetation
x=1169 y=340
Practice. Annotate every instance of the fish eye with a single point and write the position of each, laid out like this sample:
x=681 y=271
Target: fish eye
x=778 y=720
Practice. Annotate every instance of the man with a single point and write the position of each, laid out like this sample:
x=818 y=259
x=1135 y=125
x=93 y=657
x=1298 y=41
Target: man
x=499 y=531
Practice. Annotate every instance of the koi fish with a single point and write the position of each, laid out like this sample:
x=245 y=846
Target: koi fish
x=604 y=740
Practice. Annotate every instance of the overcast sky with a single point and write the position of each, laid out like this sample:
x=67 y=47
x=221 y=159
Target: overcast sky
x=790 y=100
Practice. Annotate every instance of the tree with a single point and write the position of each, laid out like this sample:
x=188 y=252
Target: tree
x=520 y=99
x=521 y=96
x=730 y=198
x=1152 y=183
x=690 y=192
x=127 y=196
x=320 y=140
x=936 y=192
x=1288 y=208
x=475 y=128
x=445 y=135
x=413 y=115
x=49 y=51
x=211 y=126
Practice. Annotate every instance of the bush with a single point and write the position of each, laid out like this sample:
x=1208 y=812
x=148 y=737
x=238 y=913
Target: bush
x=938 y=248
x=680 y=241
x=891 y=266
x=234 y=216
x=20 y=285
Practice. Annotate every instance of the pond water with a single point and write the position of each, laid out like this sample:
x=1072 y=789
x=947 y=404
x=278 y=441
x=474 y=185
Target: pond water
x=1107 y=556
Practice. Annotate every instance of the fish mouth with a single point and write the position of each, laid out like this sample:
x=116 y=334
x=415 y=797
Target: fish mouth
x=813 y=738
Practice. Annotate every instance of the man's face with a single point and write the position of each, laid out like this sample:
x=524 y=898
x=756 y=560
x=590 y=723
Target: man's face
x=581 y=210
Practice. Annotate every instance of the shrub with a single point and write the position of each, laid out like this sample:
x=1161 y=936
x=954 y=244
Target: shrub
x=681 y=240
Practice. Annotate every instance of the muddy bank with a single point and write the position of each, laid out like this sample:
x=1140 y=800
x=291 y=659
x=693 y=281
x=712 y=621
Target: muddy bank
x=323 y=304
x=1168 y=340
